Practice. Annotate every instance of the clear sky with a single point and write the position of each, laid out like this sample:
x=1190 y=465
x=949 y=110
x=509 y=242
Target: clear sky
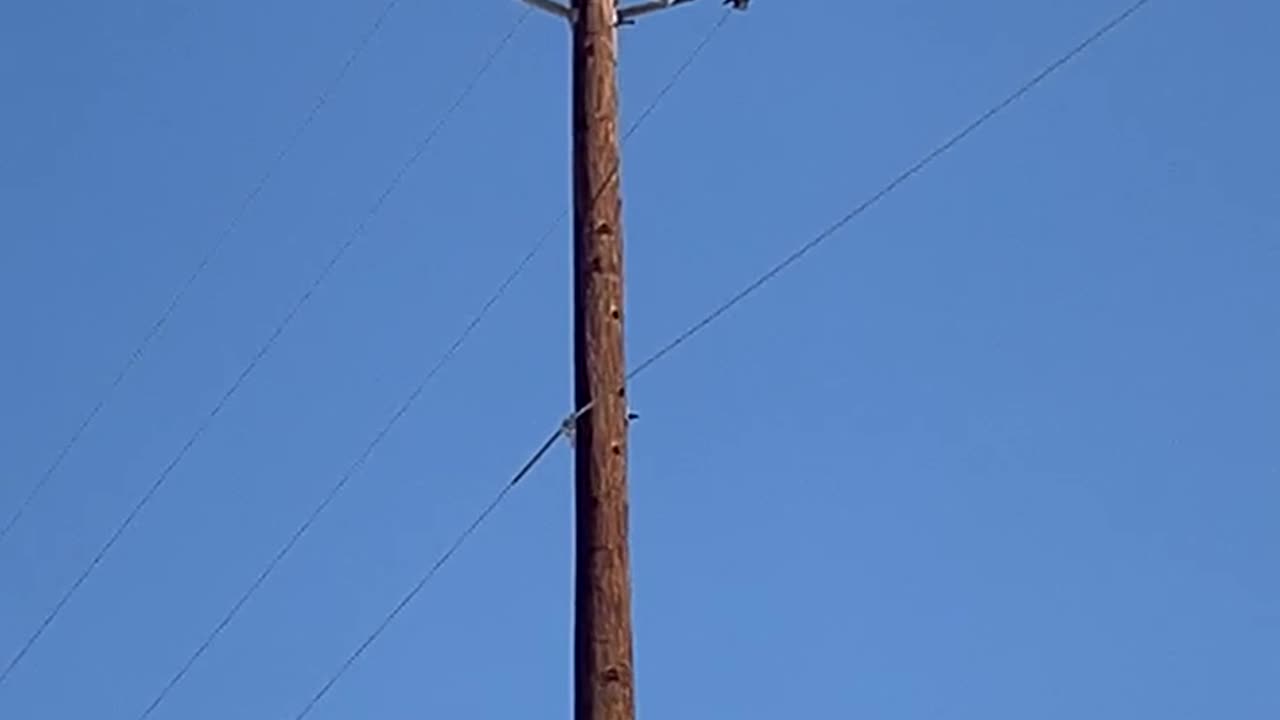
x=1004 y=448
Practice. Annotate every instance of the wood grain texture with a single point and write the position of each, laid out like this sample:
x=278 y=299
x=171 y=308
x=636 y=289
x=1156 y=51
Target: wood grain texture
x=603 y=676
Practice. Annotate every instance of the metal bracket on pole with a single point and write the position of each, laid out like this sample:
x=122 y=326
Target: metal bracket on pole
x=627 y=14
x=554 y=8
x=568 y=428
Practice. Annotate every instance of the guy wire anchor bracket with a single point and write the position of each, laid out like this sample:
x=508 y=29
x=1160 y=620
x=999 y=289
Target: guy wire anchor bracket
x=626 y=14
x=568 y=427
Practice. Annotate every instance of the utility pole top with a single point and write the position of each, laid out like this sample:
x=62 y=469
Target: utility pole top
x=627 y=14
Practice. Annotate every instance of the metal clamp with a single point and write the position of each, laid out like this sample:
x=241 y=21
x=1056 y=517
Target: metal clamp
x=568 y=427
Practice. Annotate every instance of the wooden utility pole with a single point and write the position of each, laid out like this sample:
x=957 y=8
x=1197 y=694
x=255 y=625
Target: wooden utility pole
x=604 y=683
x=603 y=676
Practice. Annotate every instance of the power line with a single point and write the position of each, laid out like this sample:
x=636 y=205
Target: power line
x=346 y=477
x=537 y=455
x=426 y=578
x=888 y=188
x=408 y=403
x=199 y=270
x=266 y=347
x=697 y=327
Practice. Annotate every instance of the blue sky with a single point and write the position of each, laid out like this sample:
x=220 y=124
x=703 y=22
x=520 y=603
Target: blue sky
x=1005 y=447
